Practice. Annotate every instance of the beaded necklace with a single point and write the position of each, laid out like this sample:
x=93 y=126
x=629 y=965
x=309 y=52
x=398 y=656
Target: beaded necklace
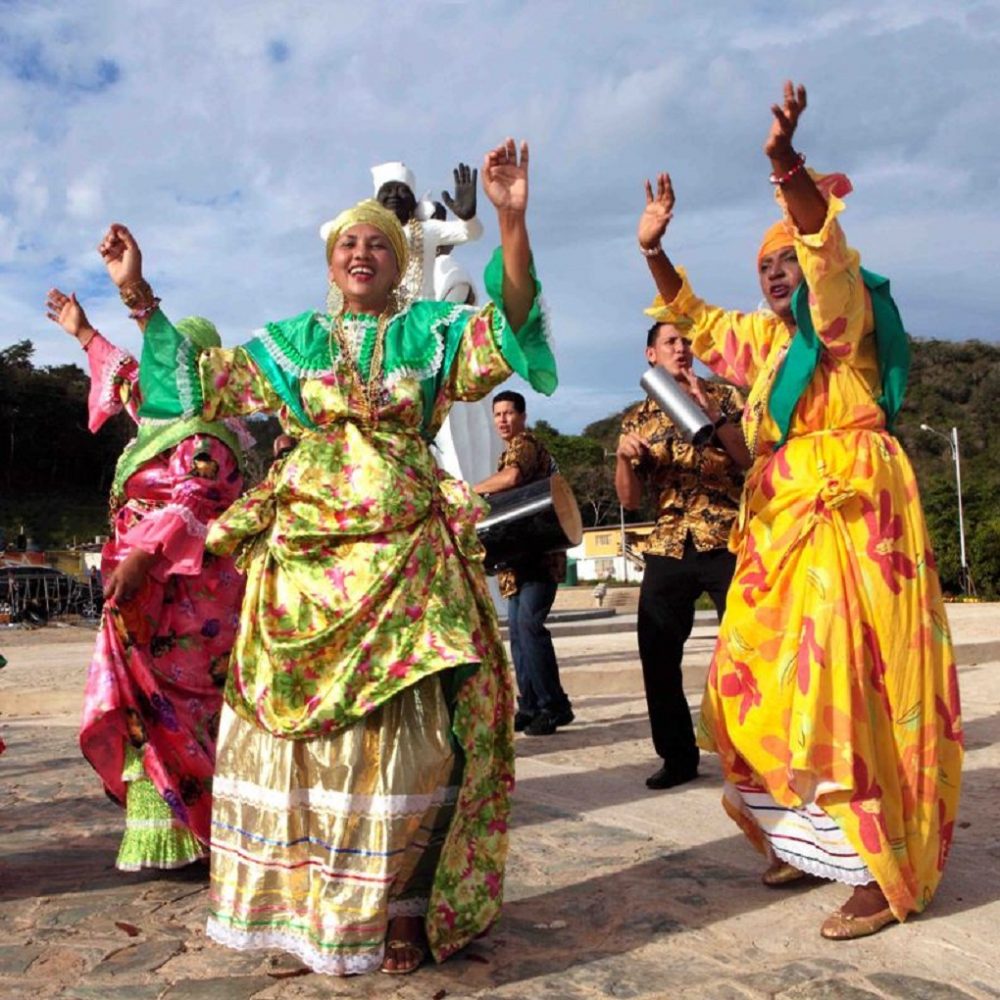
x=371 y=390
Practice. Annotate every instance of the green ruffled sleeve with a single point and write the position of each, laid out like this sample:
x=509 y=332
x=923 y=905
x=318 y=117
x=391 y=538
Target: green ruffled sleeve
x=527 y=350
x=169 y=381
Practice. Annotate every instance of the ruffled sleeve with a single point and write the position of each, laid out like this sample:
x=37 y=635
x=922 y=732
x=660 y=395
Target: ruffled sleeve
x=205 y=479
x=733 y=344
x=479 y=349
x=178 y=380
x=114 y=382
x=832 y=271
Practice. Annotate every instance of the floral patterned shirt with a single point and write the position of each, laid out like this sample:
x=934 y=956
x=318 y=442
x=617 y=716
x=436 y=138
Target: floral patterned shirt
x=697 y=488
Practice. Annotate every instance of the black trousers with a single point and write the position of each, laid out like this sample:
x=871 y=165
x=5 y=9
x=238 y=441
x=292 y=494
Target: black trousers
x=669 y=590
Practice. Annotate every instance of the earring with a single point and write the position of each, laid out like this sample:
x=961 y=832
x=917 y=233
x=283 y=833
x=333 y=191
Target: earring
x=334 y=299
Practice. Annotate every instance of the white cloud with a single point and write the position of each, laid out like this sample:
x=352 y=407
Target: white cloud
x=224 y=134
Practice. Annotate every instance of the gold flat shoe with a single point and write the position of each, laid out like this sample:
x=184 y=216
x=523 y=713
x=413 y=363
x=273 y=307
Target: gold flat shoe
x=402 y=946
x=840 y=926
x=781 y=873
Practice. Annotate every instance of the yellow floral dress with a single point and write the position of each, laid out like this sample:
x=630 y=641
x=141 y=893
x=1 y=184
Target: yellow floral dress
x=832 y=698
x=365 y=757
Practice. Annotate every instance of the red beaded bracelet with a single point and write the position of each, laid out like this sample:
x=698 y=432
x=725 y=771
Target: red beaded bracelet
x=785 y=178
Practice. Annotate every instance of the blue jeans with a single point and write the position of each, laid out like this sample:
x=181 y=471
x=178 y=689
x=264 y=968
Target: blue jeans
x=535 y=663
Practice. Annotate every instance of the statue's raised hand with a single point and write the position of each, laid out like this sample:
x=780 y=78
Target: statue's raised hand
x=463 y=205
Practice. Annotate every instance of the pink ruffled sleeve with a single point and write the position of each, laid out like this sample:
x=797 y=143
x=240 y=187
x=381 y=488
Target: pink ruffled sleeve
x=114 y=383
x=206 y=480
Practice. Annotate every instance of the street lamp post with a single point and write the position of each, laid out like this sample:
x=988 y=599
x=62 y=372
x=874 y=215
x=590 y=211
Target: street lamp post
x=952 y=440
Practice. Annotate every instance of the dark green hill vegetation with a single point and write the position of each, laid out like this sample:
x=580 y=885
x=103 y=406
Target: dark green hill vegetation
x=54 y=474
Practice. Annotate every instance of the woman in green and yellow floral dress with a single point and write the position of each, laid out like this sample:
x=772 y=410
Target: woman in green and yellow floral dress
x=365 y=757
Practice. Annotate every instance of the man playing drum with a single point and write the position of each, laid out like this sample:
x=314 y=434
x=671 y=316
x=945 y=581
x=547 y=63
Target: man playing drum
x=530 y=584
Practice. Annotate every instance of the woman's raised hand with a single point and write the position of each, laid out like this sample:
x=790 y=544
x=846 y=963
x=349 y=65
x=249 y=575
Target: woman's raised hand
x=778 y=145
x=68 y=313
x=121 y=255
x=505 y=179
x=658 y=212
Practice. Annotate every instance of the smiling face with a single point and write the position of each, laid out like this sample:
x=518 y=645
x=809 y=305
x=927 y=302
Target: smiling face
x=508 y=422
x=363 y=266
x=670 y=349
x=780 y=274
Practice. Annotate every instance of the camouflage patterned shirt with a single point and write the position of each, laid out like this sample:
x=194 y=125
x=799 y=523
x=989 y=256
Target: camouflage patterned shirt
x=697 y=489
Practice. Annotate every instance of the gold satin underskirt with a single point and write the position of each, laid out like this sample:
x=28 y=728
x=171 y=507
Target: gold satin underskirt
x=317 y=843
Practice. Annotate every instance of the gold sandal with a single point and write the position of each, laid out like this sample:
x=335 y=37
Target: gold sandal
x=400 y=945
x=840 y=926
x=781 y=873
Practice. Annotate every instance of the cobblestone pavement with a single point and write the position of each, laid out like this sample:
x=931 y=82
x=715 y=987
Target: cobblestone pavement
x=613 y=891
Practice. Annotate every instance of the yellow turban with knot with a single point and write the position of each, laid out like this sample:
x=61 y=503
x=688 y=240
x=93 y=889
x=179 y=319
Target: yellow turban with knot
x=368 y=212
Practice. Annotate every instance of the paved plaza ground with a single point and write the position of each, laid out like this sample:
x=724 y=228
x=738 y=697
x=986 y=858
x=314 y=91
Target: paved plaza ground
x=613 y=890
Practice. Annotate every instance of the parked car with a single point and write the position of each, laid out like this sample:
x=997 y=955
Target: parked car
x=36 y=593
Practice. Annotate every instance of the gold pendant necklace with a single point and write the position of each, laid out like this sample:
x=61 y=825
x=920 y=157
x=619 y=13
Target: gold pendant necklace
x=369 y=391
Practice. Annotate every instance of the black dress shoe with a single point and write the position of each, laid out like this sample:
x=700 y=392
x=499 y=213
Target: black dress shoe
x=669 y=776
x=543 y=724
x=522 y=720
x=564 y=716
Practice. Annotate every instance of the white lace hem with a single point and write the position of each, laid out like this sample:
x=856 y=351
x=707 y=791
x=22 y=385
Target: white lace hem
x=356 y=964
x=330 y=800
x=858 y=876
x=160 y=865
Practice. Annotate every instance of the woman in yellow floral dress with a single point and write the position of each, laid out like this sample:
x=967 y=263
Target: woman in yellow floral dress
x=365 y=756
x=832 y=699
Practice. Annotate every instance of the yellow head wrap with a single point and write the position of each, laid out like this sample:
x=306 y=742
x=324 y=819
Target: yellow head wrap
x=368 y=212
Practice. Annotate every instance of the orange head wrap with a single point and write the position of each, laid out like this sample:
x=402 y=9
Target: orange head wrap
x=776 y=238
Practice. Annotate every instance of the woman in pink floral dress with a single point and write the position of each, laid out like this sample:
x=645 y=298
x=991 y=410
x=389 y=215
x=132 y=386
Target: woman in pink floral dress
x=154 y=690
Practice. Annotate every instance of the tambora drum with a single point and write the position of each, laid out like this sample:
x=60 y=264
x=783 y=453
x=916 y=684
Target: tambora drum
x=530 y=520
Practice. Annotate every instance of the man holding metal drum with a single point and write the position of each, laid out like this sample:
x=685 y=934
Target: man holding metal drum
x=529 y=585
x=697 y=489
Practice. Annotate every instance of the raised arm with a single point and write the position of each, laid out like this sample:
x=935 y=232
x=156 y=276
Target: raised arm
x=831 y=268
x=806 y=205
x=121 y=255
x=505 y=181
x=114 y=373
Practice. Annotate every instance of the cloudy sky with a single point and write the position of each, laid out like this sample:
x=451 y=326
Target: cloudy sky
x=224 y=133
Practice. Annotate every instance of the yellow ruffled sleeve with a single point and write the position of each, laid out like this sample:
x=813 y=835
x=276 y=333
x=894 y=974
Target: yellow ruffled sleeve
x=732 y=343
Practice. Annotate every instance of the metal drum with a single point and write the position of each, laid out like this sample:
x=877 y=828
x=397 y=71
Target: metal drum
x=528 y=521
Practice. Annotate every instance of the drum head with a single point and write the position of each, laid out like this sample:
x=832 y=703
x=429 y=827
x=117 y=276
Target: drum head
x=567 y=510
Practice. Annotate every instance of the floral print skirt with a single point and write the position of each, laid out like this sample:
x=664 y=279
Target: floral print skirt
x=833 y=688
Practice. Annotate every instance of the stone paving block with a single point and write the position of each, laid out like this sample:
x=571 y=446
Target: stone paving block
x=785 y=977
x=915 y=987
x=225 y=988
x=127 y=991
x=16 y=958
x=133 y=960
x=64 y=963
x=828 y=989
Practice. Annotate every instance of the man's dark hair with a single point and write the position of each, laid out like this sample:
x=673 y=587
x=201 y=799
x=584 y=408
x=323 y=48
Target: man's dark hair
x=651 y=334
x=509 y=396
